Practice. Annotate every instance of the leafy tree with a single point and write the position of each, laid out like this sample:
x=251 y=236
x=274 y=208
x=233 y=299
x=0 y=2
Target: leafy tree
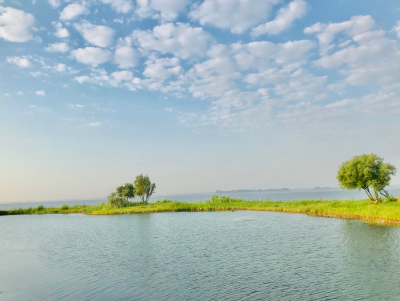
x=365 y=172
x=127 y=191
x=144 y=188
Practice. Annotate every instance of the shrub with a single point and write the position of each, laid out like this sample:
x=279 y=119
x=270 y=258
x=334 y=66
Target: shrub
x=40 y=207
x=64 y=207
x=114 y=201
x=391 y=198
x=102 y=204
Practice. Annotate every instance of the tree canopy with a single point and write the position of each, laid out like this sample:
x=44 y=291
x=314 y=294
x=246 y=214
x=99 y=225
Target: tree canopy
x=144 y=188
x=365 y=172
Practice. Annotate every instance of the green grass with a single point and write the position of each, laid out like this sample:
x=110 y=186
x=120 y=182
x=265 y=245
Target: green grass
x=362 y=209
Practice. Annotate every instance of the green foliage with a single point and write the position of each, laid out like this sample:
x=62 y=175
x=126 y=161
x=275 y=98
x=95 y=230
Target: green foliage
x=164 y=201
x=144 y=188
x=115 y=201
x=64 y=207
x=102 y=204
x=365 y=172
x=40 y=207
x=127 y=191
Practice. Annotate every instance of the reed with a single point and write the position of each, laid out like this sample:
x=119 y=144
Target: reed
x=361 y=209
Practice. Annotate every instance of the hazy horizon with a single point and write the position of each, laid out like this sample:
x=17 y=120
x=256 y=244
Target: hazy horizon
x=198 y=95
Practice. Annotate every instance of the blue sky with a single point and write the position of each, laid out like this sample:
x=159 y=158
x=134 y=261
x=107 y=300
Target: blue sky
x=200 y=95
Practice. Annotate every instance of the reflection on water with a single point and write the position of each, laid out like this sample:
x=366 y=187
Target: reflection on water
x=240 y=255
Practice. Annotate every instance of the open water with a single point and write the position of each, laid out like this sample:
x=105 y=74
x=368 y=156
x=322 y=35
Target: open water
x=241 y=255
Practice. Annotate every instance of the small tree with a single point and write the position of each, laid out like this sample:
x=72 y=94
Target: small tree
x=365 y=171
x=121 y=197
x=144 y=188
x=127 y=191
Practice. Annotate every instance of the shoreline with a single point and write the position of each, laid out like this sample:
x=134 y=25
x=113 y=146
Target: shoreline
x=380 y=214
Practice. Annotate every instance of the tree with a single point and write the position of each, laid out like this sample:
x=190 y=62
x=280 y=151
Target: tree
x=121 y=197
x=365 y=172
x=144 y=188
x=127 y=191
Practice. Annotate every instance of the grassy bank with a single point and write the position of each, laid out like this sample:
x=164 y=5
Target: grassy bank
x=362 y=209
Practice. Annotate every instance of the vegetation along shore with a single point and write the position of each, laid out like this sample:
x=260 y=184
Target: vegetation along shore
x=367 y=172
x=386 y=212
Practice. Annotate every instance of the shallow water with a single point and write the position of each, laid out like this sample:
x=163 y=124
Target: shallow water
x=241 y=255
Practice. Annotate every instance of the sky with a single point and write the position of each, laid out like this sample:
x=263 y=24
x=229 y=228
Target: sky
x=199 y=95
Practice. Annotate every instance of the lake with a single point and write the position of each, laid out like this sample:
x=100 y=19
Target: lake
x=241 y=255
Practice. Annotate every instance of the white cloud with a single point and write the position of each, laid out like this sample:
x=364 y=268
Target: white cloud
x=161 y=9
x=38 y=73
x=284 y=19
x=95 y=124
x=181 y=40
x=162 y=69
x=19 y=61
x=54 y=3
x=397 y=29
x=235 y=15
x=40 y=93
x=126 y=57
x=97 y=35
x=15 y=25
x=60 y=31
x=121 y=6
x=20 y=93
x=57 y=47
x=61 y=67
x=327 y=32
x=91 y=55
x=72 y=11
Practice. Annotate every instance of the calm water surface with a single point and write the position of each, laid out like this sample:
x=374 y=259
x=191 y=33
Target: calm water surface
x=240 y=255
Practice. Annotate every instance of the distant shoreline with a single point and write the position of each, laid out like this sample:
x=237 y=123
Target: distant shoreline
x=382 y=214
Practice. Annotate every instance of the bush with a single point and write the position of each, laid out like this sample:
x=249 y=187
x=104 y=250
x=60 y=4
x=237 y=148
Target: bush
x=102 y=204
x=391 y=198
x=115 y=201
x=40 y=207
x=164 y=201
x=64 y=207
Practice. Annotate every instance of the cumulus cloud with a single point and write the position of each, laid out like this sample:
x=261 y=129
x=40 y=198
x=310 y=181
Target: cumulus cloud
x=161 y=9
x=396 y=29
x=15 y=25
x=235 y=15
x=326 y=32
x=126 y=57
x=284 y=19
x=19 y=61
x=60 y=31
x=181 y=39
x=57 y=47
x=162 y=69
x=97 y=35
x=54 y=3
x=40 y=93
x=72 y=11
x=121 y=6
x=91 y=55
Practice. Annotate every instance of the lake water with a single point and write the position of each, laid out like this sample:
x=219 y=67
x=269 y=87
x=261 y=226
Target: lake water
x=241 y=255
x=333 y=194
